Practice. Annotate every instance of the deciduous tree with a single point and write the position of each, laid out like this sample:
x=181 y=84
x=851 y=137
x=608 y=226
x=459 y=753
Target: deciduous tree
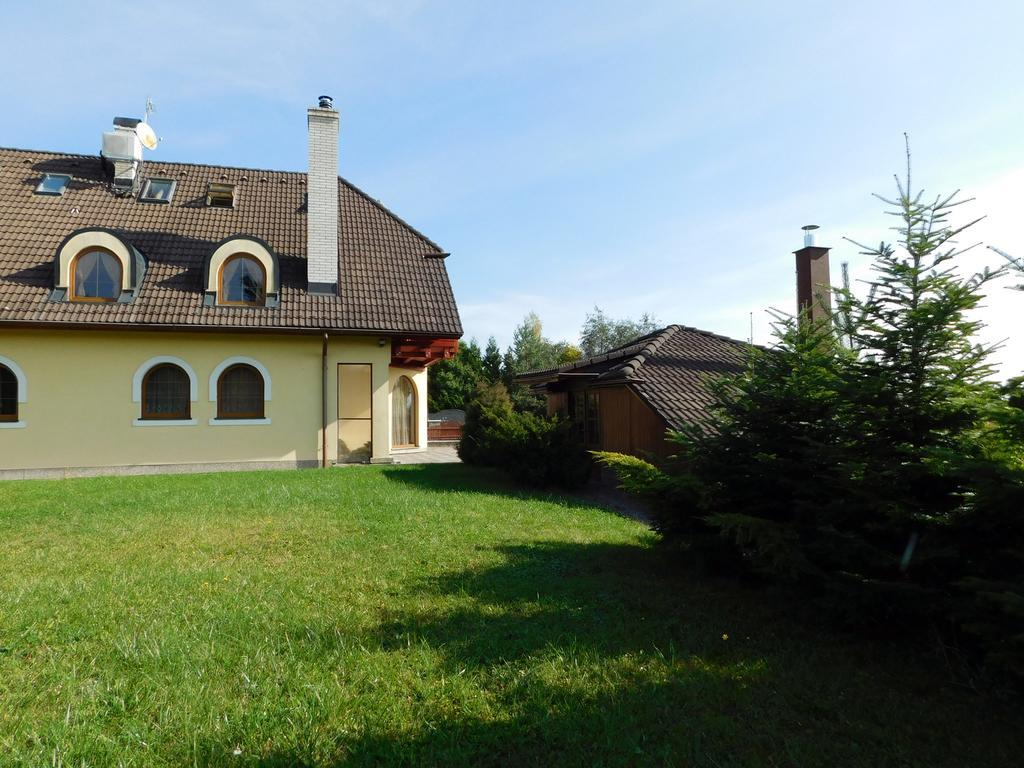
x=601 y=333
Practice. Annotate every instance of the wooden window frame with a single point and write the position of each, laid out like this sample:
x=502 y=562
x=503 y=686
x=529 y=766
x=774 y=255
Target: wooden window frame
x=73 y=280
x=241 y=415
x=7 y=417
x=415 y=414
x=220 y=282
x=176 y=416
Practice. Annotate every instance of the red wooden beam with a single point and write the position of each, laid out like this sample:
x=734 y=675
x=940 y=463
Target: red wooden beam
x=421 y=351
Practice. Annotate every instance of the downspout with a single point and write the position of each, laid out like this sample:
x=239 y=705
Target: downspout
x=323 y=404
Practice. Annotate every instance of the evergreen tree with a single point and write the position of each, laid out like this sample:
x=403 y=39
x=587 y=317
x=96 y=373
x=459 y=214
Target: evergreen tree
x=530 y=349
x=492 y=361
x=508 y=368
x=885 y=477
x=1014 y=263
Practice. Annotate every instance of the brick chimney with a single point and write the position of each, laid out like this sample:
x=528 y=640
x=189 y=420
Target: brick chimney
x=322 y=198
x=813 y=287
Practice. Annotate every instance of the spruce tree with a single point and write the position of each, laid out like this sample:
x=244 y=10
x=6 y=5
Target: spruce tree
x=492 y=361
x=882 y=473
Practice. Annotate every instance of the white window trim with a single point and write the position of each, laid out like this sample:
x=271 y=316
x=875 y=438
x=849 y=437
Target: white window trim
x=238 y=360
x=22 y=380
x=12 y=425
x=164 y=423
x=86 y=241
x=140 y=374
x=239 y=422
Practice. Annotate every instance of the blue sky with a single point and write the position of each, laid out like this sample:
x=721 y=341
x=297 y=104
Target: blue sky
x=656 y=157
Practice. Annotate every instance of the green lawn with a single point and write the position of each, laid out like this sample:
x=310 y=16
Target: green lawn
x=426 y=616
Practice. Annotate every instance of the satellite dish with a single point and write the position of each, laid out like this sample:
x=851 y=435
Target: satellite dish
x=146 y=135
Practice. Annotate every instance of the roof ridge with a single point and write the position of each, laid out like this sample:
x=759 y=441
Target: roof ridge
x=621 y=351
x=714 y=335
x=633 y=365
x=651 y=342
x=634 y=342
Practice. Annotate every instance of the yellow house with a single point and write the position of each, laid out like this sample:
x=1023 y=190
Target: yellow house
x=161 y=317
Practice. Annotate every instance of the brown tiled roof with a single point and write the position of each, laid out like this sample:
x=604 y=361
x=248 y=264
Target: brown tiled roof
x=670 y=369
x=392 y=278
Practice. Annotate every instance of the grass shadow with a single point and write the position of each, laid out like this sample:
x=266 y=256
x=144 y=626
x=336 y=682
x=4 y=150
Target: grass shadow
x=486 y=481
x=601 y=654
x=600 y=598
x=645 y=723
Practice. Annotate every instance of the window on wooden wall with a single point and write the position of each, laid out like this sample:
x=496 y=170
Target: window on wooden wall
x=403 y=414
x=585 y=413
x=240 y=393
x=575 y=404
x=592 y=418
x=166 y=393
x=8 y=394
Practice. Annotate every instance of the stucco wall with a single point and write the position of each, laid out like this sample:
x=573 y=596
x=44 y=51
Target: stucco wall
x=80 y=410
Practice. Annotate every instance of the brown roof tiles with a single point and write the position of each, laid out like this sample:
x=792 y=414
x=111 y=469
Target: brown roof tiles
x=670 y=369
x=392 y=278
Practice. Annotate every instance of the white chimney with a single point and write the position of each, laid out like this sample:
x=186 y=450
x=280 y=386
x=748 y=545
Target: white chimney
x=322 y=199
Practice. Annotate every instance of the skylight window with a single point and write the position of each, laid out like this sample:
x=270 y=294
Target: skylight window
x=158 y=191
x=220 y=195
x=53 y=184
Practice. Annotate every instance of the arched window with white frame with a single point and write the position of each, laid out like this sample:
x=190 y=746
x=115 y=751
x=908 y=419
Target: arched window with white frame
x=240 y=390
x=13 y=393
x=164 y=388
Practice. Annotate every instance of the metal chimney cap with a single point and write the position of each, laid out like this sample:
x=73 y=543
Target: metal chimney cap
x=326 y=102
x=809 y=234
x=810 y=227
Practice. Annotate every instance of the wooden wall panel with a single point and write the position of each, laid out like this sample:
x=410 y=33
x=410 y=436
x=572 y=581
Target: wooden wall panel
x=558 y=402
x=648 y=429
x=615 y=419
x=628 y=425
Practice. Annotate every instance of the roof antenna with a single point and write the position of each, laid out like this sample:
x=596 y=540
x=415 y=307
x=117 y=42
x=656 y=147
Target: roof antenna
x=150 y=109
x=751 y=328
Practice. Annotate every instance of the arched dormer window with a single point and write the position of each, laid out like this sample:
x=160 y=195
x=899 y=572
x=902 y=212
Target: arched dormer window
x=97 y=265
x=403 y=414
x=95 y=276
x=242 y=271
x=242 y=281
